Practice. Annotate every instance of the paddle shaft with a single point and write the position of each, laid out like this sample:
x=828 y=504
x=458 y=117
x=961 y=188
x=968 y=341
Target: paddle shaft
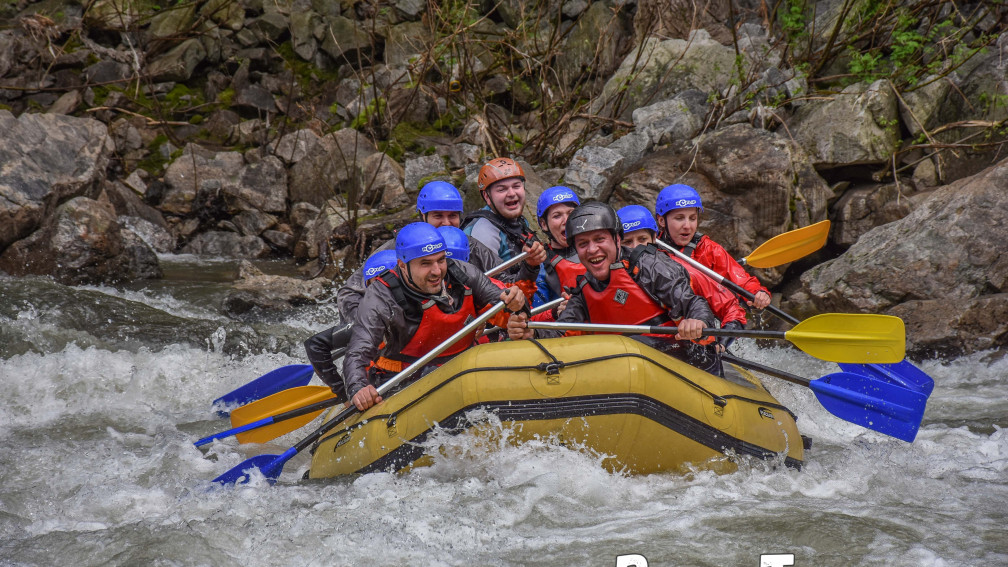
x=535 y=311
x=793 y=378
x=505 y=265
x=652 y=330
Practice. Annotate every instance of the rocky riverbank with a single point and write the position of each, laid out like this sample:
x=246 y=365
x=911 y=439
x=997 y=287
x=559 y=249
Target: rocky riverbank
x=304 y=129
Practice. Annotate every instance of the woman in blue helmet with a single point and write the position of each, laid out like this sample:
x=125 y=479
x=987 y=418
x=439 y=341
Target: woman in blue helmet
x=562 y=267
x=640 y=229
x=678 y=208
x=413 y=308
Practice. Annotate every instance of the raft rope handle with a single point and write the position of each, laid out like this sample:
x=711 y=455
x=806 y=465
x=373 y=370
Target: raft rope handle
x=550 y=368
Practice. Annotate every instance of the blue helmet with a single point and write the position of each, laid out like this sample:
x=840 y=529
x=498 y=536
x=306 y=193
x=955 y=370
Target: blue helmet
x=418 y=239
x=554 y=195
x=636 y=217
x=438 y=196
x=457 y=242
x=677 y=197
x=378 y=262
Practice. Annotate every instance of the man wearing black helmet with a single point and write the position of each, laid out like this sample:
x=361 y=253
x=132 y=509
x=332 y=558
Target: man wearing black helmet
x=638 y=287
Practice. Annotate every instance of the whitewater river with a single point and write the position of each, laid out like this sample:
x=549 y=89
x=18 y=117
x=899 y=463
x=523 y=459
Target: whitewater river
x=103 y=391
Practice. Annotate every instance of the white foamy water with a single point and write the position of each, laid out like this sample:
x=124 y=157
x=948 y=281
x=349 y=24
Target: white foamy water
x=97 y=467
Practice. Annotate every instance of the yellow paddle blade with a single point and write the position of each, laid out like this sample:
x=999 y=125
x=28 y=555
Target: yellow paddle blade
x=789 y=246
x=851 y=337
x=287 y=400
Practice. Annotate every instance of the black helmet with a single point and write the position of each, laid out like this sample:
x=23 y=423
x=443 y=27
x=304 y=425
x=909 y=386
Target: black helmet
x=593 y=216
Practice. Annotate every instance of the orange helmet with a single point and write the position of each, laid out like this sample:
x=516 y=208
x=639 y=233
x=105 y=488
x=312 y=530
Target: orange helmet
x=497 y=169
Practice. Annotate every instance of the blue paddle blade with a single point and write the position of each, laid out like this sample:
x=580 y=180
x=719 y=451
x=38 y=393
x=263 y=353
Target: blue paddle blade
x=269 y=465
x=283 y=378
x=901 y=373
x=877 y=405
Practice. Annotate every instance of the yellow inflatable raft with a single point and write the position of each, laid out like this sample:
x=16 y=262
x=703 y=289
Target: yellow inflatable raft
x=643 y=410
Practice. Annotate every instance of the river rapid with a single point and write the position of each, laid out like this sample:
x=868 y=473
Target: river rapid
x=105 y=389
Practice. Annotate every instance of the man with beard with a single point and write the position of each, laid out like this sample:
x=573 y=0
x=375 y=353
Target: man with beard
x=408 y=311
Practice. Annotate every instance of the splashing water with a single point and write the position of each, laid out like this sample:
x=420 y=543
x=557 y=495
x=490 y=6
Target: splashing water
x=98 y=466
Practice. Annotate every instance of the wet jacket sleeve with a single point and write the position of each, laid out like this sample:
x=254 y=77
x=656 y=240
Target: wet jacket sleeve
x=377 y=314
x=668 y=282
x=723 y=303
x=714 y=255
x=349 y=295
x=319 y=349
x=481 y=256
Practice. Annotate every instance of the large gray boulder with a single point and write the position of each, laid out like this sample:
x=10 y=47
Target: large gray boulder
x=674 y=120
x=380 y=181
x=660 y=69
x=945 y=261
x=859 y=125
x=345 y=41
x=82 y=243
x=593 y=170
x=862 y=208
x=200 y=175
x=594 y=44
x=56 y=157
x=179 y=63
x=254 y=289
x=226 y=244
x=326 y=165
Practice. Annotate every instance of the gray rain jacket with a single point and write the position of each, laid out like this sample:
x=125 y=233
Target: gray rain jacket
x=380 y=318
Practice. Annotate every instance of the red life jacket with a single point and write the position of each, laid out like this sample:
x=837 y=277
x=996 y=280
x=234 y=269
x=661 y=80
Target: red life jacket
x=723 y=303
x=623 y=301
x=567 y=271
x=435 y=327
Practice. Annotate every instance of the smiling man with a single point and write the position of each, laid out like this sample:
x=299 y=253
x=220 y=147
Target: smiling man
x=410 y=310
x=500 y=225
x=625 y=287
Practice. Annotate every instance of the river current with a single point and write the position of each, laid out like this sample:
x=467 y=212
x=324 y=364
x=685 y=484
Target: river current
x=105 y=389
